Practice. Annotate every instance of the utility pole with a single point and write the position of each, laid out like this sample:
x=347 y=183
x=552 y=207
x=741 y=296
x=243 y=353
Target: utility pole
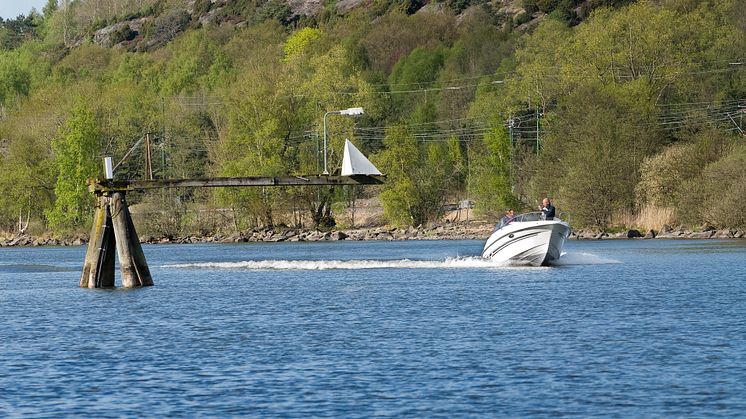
x=511 y=125
x=537 y=130
x=148 y=158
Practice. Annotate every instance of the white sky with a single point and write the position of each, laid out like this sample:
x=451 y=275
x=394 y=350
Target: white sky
x=10 y=9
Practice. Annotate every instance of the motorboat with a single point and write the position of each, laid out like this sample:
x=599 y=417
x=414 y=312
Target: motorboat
x=527 y=239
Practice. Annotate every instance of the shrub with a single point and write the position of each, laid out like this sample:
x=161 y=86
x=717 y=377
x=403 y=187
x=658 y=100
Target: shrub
x=300 y=40
x=547 y=6
x=458 y=5
x=530 y=6
x=274 y=10
x=166 y=27
x=522 y=18
x=668 y=179
x=661 y=175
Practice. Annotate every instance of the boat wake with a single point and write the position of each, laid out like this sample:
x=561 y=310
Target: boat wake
x=319 y=265
x=464 y=262
x=583 y=259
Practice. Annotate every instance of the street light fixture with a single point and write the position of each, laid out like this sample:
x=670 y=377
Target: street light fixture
x=348 y=112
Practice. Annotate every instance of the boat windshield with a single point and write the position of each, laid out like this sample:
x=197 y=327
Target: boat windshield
x=529 y=216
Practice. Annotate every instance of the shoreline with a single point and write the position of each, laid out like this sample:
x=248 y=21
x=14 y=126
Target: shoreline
x=445 y=231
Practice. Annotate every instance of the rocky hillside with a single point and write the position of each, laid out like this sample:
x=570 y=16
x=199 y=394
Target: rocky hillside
x=154 y=27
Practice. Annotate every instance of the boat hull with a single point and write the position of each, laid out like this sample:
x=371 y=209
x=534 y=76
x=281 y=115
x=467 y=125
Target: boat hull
x=535 y=243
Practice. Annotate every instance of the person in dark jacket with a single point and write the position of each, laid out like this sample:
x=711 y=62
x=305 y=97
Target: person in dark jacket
x=547 y=210
x=509 y=216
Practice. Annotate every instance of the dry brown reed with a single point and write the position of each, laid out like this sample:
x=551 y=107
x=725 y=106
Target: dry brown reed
x=649 y=217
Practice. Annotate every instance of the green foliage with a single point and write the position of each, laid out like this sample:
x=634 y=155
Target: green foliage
x=458 y=6
x=420 y=66
x=49 y=9
x=77 y=160
x=664 y=175
x=530 y=6
x=408 y=7
x=278 y=10
x=13 y=32
x=14 y=79
x=247 y=97
x=522 y=18
x=197 y=64
x=547 y=6
x=28 y=178
x=413 y=72
x=489 y=179
x=590 y=157
x=597 y=87
x=253 y=144
x=420 y=177
x=83 y=63
x=396 y=35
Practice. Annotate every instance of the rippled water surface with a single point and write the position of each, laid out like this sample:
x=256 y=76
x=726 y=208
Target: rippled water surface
x=357 y=329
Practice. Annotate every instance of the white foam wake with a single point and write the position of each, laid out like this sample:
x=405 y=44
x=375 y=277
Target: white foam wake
x=317 y=265
x=583 y=259
x=473 y=262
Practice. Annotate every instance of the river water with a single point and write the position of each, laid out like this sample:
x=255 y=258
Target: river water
x=634 y=328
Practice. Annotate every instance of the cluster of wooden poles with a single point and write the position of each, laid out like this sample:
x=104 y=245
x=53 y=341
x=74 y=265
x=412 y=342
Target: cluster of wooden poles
x=113 y=231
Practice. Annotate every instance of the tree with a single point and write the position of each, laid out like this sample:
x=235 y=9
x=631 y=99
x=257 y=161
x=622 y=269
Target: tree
x=198 y=64
x=252 y=143
x=27 y=178
x=420 y=177
x=396 y=35
x=49 y=9
x=77 y=160
x=489 y=182
x=589 y=158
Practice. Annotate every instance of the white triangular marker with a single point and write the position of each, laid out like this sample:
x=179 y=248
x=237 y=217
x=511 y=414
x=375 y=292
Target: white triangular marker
x=355 y=163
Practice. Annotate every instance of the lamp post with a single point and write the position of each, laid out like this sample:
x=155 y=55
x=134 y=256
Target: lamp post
x=348 y=112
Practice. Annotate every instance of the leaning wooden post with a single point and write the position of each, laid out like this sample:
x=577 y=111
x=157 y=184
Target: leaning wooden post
x=135 y=271
x=98 y=269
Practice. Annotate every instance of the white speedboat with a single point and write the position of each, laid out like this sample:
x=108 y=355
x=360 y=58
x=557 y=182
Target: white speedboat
x=527 y=240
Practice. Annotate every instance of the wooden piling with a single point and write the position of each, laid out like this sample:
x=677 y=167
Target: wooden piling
x=134 y=268
x=98 y=269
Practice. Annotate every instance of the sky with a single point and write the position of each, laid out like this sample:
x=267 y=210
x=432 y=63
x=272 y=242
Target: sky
x=10 y=9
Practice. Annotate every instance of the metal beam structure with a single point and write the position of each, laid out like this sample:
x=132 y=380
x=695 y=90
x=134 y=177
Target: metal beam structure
x=100 y=187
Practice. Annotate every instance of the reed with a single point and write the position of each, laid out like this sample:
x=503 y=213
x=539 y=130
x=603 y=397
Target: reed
x=649 y=217
x=654 y=217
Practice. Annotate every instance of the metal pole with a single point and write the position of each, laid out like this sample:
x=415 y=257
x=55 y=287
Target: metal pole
x=537 y=130
x=511 y=124
x=148 y=158
x=326 y=172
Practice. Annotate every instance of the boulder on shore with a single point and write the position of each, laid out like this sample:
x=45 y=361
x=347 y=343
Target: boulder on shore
x=633 y=234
